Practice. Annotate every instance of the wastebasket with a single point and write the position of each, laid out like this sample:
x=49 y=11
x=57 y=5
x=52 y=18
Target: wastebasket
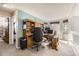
x=23 y=43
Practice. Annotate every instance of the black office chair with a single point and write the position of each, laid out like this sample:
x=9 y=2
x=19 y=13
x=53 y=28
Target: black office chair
x=37 y=37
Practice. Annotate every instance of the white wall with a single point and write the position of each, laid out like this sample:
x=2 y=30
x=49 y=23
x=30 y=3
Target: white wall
x=56 y=27
x=11 y=28
x=16 y=29
x=10 y=31
x=75 y=10
x=74 y=23
x=74 y=19
x=74 y=26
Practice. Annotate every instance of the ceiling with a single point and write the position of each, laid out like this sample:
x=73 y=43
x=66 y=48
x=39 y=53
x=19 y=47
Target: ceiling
x=45 y=11
x=5 y=8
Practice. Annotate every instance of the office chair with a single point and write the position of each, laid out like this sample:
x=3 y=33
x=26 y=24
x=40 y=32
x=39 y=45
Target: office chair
x=37 y=37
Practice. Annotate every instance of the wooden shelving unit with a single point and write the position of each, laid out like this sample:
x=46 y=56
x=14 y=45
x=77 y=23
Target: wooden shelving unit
x=27 y=32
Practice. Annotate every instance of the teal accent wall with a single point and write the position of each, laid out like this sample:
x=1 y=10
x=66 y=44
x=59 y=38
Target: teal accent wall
x=22 y=16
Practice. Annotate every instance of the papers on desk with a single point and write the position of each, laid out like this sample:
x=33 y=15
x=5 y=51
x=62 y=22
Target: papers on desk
x=45 y=42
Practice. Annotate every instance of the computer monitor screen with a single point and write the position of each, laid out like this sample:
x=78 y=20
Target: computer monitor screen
x=50 y=31
x=47 y=28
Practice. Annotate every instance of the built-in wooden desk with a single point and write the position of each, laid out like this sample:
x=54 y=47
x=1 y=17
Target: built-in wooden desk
x=29 y=40
x=53 y=40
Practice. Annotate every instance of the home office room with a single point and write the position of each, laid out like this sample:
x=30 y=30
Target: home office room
x=40 y=29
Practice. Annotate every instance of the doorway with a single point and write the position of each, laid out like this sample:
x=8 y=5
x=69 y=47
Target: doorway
x=4 y=29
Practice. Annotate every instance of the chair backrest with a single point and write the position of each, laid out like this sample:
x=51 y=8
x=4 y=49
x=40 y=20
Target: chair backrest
x=37 y=34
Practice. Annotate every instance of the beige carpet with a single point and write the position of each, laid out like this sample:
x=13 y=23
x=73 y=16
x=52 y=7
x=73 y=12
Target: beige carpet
x=9 y=50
